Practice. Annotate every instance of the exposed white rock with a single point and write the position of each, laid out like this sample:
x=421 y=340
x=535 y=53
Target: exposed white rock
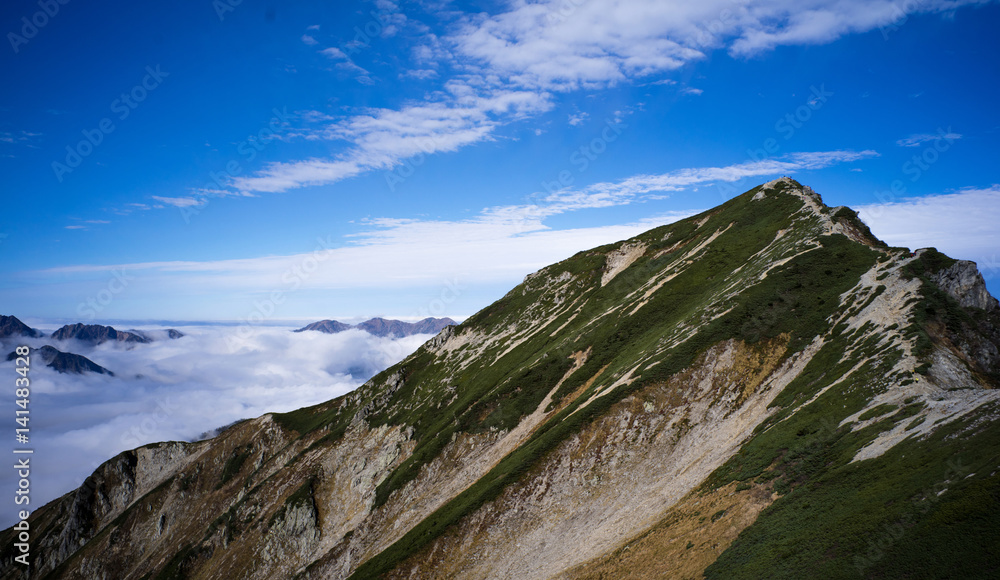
x=620 y=258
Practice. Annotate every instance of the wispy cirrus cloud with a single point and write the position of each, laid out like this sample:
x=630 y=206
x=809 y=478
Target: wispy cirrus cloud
x=345 y=63
x=613 y=193
x=534 y=51
x=381 y=138
x=920 y=139
x=392 y=253
x=179 y=201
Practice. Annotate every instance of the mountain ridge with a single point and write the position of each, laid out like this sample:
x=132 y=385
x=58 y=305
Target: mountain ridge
x=383 y=327
x=11 y=326
x=705 y=398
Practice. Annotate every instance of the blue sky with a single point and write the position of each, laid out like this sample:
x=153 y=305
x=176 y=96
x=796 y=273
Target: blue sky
x=272 y=162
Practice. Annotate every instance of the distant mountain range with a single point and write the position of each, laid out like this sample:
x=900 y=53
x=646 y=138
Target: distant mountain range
x=65 y=362
x=383 y=327
x=93 y=334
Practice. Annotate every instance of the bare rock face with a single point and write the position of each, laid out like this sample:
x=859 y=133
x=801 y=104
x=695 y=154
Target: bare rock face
x=965 y=284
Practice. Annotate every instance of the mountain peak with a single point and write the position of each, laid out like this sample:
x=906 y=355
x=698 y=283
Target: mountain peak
x=97 y=334
x=689 y=402
x=11 y=326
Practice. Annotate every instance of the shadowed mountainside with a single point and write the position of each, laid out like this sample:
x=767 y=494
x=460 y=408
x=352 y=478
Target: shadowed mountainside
x=65 y=362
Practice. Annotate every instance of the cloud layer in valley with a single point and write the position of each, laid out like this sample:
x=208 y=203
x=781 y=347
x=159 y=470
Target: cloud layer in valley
x=180 y=389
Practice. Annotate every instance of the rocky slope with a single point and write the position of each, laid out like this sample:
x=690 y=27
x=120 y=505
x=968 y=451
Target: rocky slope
x=762 y=390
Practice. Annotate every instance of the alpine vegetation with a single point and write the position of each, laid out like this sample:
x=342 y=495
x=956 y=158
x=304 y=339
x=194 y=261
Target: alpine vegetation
x=763 y=390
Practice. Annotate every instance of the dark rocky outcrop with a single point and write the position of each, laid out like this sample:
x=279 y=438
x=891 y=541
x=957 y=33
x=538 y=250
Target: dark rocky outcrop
x=11 y=326
x=96 y=334
x=65 y=362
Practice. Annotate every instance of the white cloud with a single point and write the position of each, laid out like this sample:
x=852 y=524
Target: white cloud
x=344 y=63
x=393 y=253
x=918 y=140
x=310 y=41
x=381 y=138
x=421 y=74
x=691 y=91
x=178 y=389
x=578 y=119
x=961 y=224
x=178 y=201
x=560 y=45
x=334 y=53
x=612 y=193
x=18 y=137
x=530 y=50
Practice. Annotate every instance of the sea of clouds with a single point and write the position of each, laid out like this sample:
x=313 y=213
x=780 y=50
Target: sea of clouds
x=181 y=389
